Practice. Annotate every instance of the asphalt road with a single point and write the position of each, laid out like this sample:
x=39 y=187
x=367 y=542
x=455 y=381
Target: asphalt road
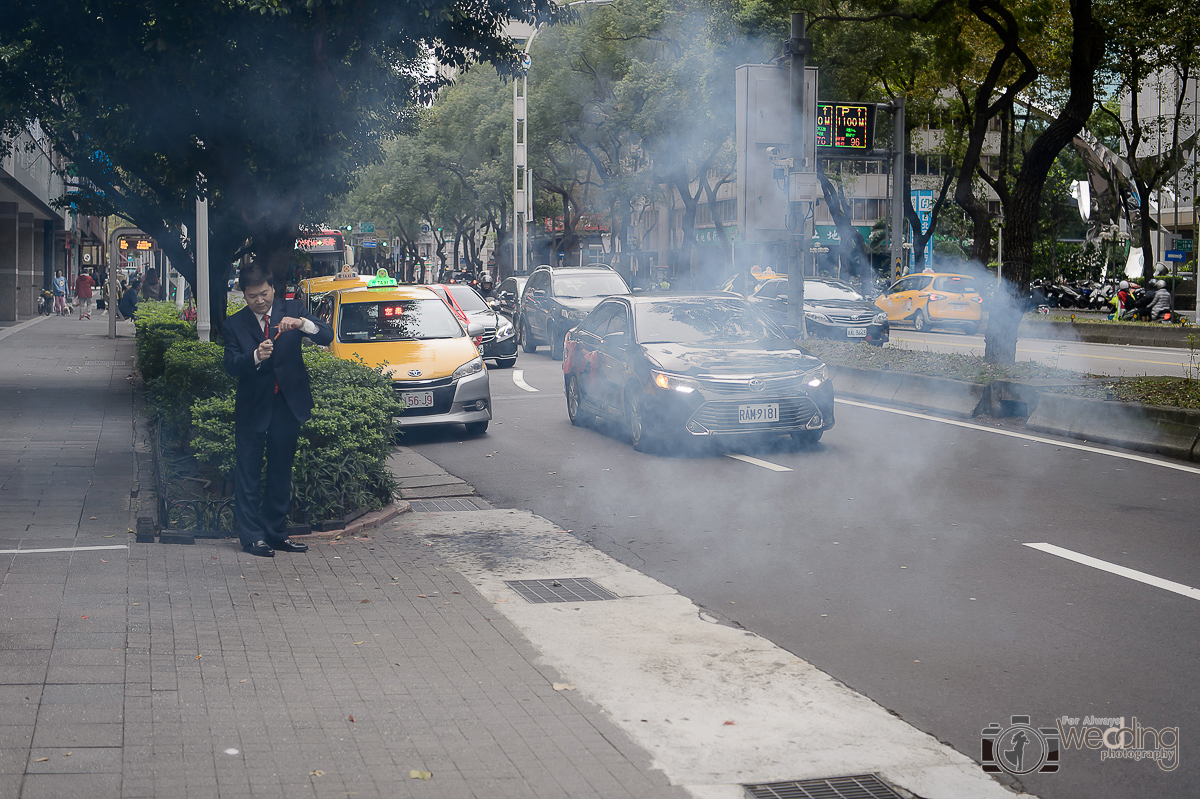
x=1102 y=359
x=893 y=556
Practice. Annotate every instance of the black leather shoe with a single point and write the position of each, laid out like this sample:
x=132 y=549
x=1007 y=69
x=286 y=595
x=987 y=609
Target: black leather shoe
x=260 y=548
x=288 y=545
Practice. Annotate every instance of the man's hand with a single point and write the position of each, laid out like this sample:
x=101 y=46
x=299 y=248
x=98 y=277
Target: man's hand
x=289 y=323
x=265 y=349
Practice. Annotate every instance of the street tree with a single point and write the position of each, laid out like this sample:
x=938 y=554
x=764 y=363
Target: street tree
x=266 y=106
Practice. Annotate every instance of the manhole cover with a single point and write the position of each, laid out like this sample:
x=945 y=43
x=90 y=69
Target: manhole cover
x=860 y=786
x=564 y=589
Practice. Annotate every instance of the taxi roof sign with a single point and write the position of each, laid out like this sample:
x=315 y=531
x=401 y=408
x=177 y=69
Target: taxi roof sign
x=381 y=280
x=347 y=273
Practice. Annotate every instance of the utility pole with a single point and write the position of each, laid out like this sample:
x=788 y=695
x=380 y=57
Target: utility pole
x=798 y=48
x=203 y=310
x=898 y=198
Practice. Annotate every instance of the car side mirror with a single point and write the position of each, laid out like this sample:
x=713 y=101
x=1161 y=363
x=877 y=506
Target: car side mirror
x=537 y=293
x=617 y=339
x=475 y=329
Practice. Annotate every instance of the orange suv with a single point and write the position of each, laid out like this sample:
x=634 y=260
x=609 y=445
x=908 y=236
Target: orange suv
x=933 y=299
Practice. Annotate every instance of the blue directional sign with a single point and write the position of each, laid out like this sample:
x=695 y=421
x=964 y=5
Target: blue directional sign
x=1175 y=255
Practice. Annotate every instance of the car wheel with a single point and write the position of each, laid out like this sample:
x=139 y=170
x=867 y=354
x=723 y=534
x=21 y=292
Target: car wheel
x=970 y=330
x=806 y=438
x=574 y=401
x=557 y=343
x=505 y=363
x=920 y=322
x=639 y=433
x=476 y=428
x=527 y=342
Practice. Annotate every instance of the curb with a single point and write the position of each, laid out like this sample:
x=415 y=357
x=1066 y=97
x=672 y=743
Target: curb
x=1092 y=333
x=1173 y=432
x=366 y=522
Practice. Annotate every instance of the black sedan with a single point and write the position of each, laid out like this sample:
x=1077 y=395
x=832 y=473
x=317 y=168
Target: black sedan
x=693 y=367
x=499 y=336
x=832 y=309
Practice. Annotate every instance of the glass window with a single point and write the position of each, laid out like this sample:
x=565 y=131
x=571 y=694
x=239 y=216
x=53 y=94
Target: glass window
x=597 y=321
x=706 y=320
x=467 y=298
x=955 y=284
x=397 y=320
x=769 y=289
x=921 y=282
x=595 y=284
x=830 y=290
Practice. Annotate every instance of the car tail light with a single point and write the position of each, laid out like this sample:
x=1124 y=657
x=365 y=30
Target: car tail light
x=977 y=299
x=934 y=297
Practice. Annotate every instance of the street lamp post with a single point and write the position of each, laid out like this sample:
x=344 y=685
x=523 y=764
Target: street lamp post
x=522 y=184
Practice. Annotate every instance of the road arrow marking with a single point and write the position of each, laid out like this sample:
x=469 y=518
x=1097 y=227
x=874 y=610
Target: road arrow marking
x=1112 y=568
x=519 y=379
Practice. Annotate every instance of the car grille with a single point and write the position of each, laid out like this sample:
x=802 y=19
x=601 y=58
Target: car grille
x=721 y=416
x=489 y=335
x=770 y=385
x=443 y=394
x=863 y=317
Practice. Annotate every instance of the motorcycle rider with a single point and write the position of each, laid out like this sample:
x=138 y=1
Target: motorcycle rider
x=1161 y=302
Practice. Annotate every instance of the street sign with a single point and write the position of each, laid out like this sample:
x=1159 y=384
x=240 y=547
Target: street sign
x=845 y=126
x=1185 y=245
x=366 y=227
x=1176 y=255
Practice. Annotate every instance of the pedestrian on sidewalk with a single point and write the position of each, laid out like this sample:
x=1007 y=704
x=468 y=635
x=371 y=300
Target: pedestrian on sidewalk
x=274 y=398
x=59 y=286
x=83 y=292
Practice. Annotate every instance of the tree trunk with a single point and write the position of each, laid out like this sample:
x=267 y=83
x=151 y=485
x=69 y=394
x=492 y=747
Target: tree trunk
x=1004 y=314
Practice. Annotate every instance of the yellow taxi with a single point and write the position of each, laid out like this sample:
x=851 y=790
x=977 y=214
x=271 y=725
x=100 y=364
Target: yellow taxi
x=435 y=367
x=933 y=299
x=313 y=289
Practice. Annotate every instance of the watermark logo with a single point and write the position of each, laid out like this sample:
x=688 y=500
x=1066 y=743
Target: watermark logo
x=1020 y=748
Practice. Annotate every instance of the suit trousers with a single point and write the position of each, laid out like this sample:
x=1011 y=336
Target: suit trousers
x=262 y=515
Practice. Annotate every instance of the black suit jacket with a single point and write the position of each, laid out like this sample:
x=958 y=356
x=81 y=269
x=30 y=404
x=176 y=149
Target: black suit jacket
x=256 y=384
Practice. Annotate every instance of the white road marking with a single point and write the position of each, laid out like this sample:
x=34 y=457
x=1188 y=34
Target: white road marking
x=775 y=467
x=60 y=549
x=1026 y=436
x=519 y=379
x=1112 y=568
x=8 y=331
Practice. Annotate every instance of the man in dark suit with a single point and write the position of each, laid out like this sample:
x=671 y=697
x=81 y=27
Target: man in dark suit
x=274 y=398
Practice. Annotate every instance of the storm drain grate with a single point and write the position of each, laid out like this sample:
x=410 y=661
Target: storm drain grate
x=565 y=589
x=441 y=505
x=860 y=786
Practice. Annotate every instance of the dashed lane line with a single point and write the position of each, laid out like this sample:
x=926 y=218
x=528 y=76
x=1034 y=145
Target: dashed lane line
x=60 y=549
x=1129 y=456
x=519 y=379
x=1123 y=571
x=775 y=467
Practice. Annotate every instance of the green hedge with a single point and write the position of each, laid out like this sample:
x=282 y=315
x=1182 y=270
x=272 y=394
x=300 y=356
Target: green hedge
x=192 y=371
x=158 y=326
x=341 y=460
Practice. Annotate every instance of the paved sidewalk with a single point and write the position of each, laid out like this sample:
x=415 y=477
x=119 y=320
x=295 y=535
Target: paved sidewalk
x=199 y=671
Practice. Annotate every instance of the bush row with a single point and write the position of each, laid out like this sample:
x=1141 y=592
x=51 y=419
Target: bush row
x=341 y=460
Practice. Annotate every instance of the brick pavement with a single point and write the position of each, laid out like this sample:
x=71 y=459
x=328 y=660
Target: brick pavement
x=199 y=671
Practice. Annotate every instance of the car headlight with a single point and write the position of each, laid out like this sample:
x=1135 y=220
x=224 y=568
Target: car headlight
x=670 y=382
x=817 y=376
x=816 y=316
x=505 y=330
x=879 y=319
x=573 y=314
x=471 y=367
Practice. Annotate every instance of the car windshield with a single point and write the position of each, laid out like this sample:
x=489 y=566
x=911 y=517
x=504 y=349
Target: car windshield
x=828 y=290
x=955 y=284
x=467 y=298
x=706 y=320
x=397 y=320
x=597 y=284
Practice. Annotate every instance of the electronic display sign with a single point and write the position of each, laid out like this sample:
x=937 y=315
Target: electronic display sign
x=846 y=127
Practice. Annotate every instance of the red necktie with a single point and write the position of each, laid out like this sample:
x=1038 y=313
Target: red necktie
x=267 y=335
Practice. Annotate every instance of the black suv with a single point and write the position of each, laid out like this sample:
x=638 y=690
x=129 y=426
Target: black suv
x=557 y=298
